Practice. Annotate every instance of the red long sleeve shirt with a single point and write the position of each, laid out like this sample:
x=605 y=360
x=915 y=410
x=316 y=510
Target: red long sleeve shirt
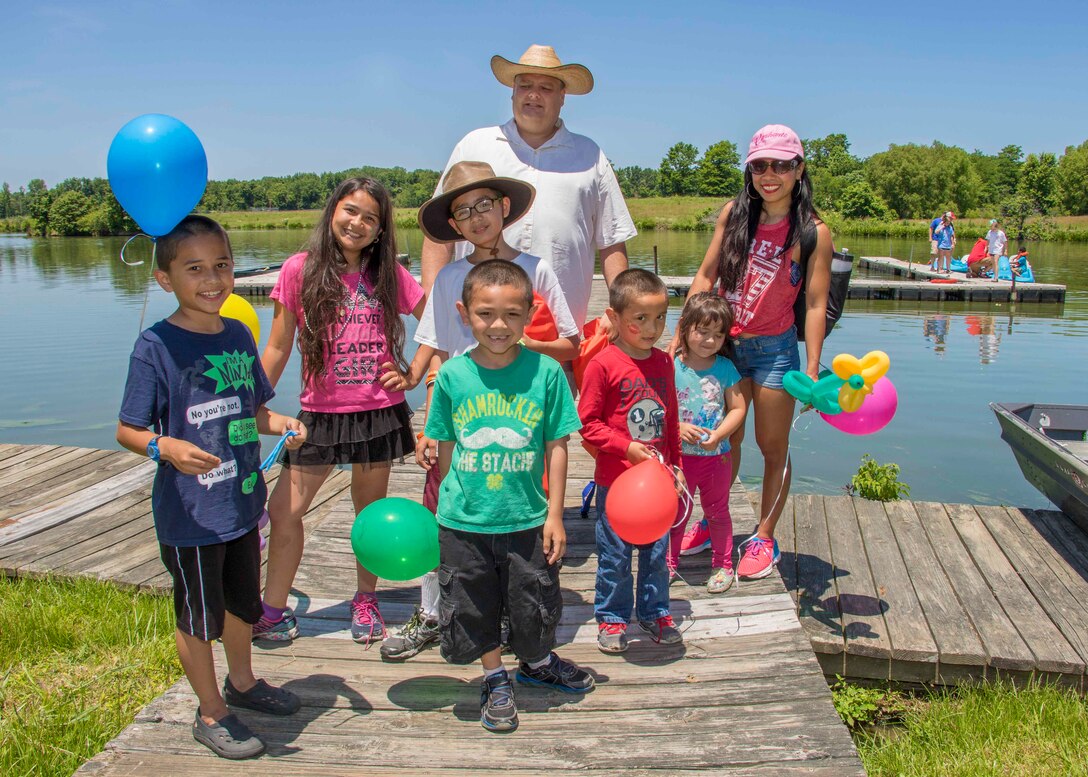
x=625 y=400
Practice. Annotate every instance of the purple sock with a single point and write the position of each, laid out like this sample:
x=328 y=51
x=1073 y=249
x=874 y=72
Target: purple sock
x=273 y=614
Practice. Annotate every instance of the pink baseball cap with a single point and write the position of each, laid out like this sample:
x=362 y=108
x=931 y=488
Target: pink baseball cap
x=775 y=141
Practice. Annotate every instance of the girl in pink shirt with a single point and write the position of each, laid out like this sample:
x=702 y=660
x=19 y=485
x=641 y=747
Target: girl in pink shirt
x=754 y=258
x=344 y=296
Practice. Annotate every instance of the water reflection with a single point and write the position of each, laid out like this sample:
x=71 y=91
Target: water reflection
x=989 y=336
x=935 y=327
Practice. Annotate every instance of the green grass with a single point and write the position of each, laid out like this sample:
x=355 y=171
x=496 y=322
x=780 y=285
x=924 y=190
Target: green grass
x=995 y=729
x=78 y=660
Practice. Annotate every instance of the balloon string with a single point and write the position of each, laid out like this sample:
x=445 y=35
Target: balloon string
x=271 y=458
x=135 y=264
x=147 y=285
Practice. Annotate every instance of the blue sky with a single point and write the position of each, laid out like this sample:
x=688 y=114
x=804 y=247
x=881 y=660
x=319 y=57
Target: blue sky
x=273 y=88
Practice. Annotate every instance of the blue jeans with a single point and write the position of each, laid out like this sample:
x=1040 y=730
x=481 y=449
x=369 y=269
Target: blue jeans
x=767 y=358
x=614 y=598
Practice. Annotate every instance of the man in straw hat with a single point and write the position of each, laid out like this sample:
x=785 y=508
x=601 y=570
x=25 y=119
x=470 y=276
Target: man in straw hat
x=579 y=207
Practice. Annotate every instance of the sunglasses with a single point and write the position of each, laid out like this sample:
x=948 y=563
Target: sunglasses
x=780 y=166
x=481 y=207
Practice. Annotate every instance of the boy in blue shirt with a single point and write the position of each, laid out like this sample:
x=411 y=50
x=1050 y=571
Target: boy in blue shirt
x=498 y=411
x=195 y=378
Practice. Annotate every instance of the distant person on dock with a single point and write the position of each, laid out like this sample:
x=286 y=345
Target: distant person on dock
x=195 y=379
x=754 y=259
x=945 y=234
x=996 y=245
x=579 y=208
x=344 y=296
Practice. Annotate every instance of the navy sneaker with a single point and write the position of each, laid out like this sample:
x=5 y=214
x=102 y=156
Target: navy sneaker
x=557 y=673
x=498 y=709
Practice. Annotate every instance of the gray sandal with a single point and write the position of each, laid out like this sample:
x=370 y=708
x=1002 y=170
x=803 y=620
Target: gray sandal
x=229 y=738
x=263 y=698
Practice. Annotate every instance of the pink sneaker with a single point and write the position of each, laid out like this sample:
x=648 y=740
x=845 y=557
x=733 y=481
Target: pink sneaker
x=757 y=557
x=696 y=539
x=367 y=624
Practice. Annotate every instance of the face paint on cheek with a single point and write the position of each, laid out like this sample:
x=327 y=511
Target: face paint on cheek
x=633 y=329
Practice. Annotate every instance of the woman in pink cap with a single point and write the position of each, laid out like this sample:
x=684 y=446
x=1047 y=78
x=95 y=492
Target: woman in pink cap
x=755 y=258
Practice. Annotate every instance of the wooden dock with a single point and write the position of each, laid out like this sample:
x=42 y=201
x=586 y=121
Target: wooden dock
x=923 y=592
x=911 y=283
x=918 y=285
x=744 y=692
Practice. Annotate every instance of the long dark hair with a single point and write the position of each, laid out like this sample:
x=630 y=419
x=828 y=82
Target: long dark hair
x=743 y=221
x=323 y=290
x=702 y=309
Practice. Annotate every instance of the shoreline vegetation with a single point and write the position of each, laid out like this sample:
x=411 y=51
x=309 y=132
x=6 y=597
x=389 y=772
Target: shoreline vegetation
x=893 y=193
x=683 y=214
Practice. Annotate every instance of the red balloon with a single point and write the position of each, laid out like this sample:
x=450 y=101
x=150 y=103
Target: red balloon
x=642 y=502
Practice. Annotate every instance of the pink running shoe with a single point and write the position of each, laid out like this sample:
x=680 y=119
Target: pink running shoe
x=757 y=557
x=367 y=625
x=696 y=539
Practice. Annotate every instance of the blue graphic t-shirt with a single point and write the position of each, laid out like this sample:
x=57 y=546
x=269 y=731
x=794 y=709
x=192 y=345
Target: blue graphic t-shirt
x=700 y=395
x=204 y=389
x=500 y=421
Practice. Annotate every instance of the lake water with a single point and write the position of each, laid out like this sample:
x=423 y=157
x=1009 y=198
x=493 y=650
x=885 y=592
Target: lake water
x=72 y=310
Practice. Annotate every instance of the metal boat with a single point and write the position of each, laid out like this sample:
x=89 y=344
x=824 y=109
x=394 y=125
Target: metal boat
x=1050 y=443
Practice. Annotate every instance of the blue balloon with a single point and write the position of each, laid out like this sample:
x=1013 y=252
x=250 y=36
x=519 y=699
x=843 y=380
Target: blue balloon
x=157 y=170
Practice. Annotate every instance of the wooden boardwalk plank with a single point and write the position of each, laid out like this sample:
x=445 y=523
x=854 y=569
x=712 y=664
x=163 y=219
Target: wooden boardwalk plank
x=26 y=453
x=817 y=590
x=1064 y=596
x=961 y=654
x=1005 y=649
x=866 y=633
x=1052 y=652
x=913 y=650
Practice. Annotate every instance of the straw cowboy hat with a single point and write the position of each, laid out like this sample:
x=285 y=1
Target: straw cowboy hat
x=434 y=214
x=542 y=60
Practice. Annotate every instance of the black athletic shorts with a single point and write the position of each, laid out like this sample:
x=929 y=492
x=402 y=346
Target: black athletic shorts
x=481 y=575
x=213 y=579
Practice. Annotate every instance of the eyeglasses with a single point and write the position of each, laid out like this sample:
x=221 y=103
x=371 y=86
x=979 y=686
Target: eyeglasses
x=481 y=207
x=780 y=166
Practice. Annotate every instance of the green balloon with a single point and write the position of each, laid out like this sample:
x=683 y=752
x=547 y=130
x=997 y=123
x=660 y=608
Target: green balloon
x=396 y=539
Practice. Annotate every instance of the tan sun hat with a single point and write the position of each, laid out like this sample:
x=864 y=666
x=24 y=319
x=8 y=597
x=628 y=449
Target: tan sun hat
x=543 y=60
x=434 y=214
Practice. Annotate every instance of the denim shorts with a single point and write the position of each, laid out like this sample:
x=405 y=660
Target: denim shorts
x=767 y=358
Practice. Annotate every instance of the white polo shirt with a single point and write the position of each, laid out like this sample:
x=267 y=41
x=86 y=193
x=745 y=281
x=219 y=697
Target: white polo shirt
x=579 y=207
x=441 y=326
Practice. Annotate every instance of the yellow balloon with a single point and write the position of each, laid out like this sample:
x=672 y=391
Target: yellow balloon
x=239 y=309
x=869 y=368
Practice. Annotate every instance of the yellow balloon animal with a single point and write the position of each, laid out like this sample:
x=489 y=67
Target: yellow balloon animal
x=239 y=309
x=860 y=376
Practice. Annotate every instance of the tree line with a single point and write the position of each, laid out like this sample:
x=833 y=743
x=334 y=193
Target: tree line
x=86 y=206
x=907 y=181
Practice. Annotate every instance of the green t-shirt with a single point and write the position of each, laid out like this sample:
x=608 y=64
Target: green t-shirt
x=499 y=420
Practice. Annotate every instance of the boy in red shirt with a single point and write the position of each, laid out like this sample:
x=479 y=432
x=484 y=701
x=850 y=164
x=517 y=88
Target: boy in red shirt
x=628 y=407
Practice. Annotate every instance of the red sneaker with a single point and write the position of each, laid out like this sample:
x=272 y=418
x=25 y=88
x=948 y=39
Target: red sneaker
x=696 y=539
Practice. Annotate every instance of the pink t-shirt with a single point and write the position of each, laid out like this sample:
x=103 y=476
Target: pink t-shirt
x=350 y=383
x=763 y=303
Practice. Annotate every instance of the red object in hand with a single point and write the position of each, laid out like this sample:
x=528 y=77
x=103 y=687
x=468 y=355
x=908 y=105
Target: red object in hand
x=641 y=503
x=542 y=327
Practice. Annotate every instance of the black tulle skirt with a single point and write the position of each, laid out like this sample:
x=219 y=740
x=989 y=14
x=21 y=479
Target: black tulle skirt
x=374 y=437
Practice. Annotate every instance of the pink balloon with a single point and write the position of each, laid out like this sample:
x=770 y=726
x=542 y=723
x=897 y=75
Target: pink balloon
x=873 y=415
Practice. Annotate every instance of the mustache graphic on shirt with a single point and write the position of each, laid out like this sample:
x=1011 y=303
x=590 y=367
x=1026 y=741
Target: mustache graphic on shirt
x=503 y=436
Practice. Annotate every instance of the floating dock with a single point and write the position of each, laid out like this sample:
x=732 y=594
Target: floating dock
x=904 y=282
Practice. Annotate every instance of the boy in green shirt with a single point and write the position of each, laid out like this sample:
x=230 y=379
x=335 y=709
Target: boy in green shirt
x=497 y=412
